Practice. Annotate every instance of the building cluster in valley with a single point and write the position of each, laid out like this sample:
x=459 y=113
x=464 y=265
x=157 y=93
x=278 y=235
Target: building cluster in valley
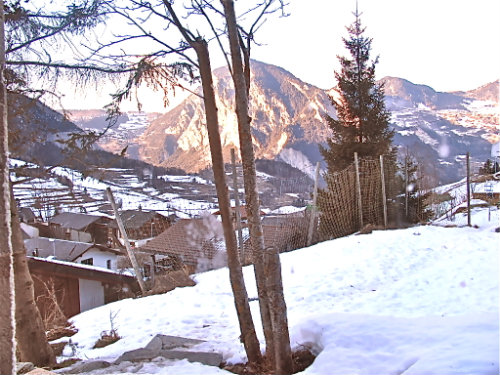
x=81 y=259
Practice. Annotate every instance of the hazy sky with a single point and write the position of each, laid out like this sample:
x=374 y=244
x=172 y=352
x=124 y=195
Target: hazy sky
x=446 y=44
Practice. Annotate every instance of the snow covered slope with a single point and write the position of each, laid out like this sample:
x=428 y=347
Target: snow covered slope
x=422 y=300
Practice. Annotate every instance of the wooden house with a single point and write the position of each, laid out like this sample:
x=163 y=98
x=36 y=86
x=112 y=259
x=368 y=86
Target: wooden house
x=26 y=215
x=243 y=215
x=77 y=287
x=80 y=227
x=140 y=225
x=71 y=251
x=197 y=244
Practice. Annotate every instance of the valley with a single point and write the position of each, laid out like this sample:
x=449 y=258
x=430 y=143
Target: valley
x=288 y=125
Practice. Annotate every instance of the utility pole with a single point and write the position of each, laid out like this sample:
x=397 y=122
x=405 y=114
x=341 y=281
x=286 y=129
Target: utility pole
x=468 y=190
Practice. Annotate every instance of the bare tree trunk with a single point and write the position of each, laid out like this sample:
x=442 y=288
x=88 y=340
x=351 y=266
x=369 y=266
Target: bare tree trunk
x=248 y=334
x=7 y=300
x=32 y=343
x=270 y=295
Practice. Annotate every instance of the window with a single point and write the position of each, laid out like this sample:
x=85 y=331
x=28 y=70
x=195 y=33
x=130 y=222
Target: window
x=88 y=261
x=108 y=264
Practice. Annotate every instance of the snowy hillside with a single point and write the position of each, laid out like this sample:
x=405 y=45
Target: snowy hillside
x=68 y=190
x=422 y=300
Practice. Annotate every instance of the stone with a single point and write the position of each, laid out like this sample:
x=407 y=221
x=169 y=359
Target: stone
x=155 y=344
x=84 y=367
x=171 y=342
x=40 y=371
x=137 y=355
x=206 y=358
x=24 y=367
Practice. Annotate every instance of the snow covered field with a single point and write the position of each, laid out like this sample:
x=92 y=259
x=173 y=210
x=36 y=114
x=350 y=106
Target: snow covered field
x=415 y=301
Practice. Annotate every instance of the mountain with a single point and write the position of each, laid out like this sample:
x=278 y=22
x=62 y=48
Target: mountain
x=286 y=116
x=400 y=93
x=488 y=92
x=287 y=124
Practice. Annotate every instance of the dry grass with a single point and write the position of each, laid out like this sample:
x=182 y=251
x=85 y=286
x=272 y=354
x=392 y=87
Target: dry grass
x=169 y=281
x=107 y=338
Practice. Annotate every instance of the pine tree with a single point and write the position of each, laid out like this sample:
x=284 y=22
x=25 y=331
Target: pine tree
x=362 y=127
x=362 y=123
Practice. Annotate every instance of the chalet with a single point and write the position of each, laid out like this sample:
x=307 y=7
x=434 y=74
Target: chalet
x=80 y=227
x=77 y=287
x=26 y=215
x=243 y=214
x=196 y=243
x=140 y=225
x=71 y=251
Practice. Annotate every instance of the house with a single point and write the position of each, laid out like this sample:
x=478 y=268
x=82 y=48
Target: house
x=80 y=227
x=140 y=225
x=77 y=287
x=243 y=215
x=26 y=215
x=71 y=251
x=196 y=243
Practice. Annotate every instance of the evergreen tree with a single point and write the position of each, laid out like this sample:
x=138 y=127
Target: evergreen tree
x=361 y=126
x=362 y=123
x=489 y=167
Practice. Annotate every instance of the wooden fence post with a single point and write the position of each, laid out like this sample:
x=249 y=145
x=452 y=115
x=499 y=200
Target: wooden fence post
x=358 y=190
x=384 y=197
x=131 y=255
x=313 y=209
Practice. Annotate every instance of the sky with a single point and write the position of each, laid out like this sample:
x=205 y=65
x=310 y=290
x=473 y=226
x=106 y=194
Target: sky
x=450 y=45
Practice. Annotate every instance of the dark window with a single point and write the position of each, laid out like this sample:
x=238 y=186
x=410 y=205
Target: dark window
x=108 y=264
x=88 y=261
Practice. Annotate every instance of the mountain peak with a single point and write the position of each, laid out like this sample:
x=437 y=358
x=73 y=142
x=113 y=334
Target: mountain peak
x=286 y=113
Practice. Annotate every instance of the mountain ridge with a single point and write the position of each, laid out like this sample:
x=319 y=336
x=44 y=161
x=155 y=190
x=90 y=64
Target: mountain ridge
x=288 y=123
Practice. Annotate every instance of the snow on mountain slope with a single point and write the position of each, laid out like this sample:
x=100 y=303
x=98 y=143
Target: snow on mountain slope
x=284 y=111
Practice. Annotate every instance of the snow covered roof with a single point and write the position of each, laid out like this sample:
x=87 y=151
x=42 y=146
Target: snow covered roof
x=75 y=220
x=61 y=249
x=134 y=219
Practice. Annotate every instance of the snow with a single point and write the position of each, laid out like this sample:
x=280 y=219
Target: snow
x=422 y=300
x=287 y=210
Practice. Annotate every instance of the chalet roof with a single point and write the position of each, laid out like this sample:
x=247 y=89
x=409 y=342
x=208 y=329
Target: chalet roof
x=243 y=212
x=195 y=241
x=77 y=270
x=74 y=220
x=134 y=219
x=26 y=214
x=61 y=249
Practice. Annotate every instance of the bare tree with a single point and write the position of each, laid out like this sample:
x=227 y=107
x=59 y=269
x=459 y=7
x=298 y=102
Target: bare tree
x=26 y=32
x=270 y=288
x=135 y=13
x=7 y=332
